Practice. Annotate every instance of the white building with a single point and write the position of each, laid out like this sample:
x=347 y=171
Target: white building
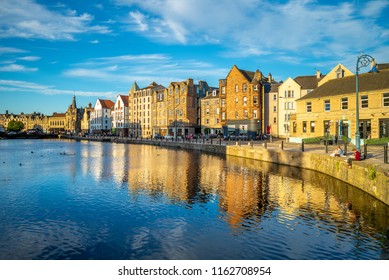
x=100 y=118
x=119 y=115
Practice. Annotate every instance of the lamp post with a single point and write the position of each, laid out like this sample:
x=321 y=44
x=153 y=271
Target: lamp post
x=362 y=61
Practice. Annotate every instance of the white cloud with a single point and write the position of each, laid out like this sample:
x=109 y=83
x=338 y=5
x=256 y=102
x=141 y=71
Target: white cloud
x=256 y=28
x=11 y=50
x=145 y=68
x=16 y=68
x=22 y=86
x=28 y=19
x=94 y=42
x=29 y=58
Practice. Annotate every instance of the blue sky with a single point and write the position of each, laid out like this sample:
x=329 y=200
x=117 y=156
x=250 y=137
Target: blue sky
x=50 y=50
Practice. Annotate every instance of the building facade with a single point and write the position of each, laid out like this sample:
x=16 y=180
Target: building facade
x=85 y=121
x=244 y=102
x=330 y=110
x=120 y=117
x=73 y=118
x=211 y=113
x=100 y=117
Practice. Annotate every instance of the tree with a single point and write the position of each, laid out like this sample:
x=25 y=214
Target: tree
x=15 y=126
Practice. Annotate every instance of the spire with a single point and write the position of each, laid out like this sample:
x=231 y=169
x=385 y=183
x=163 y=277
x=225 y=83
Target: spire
x=74 y=106
x=134 y=87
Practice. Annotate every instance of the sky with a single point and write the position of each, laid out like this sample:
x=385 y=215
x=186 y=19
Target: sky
x=52 y=50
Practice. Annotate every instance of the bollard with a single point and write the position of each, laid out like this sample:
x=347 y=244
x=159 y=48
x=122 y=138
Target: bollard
x=365 y=151
x=220 y=141
x=385 y=154
x=302 y=146
x=282 y=145
x=326 y=146
x=251 y=143
x=265 y=144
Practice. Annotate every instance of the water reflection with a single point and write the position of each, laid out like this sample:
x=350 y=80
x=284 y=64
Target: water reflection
x=144 y=202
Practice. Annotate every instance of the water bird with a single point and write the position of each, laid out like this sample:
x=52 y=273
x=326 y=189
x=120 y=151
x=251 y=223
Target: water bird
x=20 y=164
x=32 y=152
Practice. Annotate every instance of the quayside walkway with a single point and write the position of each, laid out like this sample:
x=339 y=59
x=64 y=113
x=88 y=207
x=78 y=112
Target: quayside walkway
x=371 y=174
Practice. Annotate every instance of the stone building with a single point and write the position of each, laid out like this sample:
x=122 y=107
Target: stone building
x=57 y=123
x=244 y=102
x=85 y=121
x=140 y=110
x=159 y=111
x=330 y=109
x=34 y=120
x=210 y=113
x=73 y=118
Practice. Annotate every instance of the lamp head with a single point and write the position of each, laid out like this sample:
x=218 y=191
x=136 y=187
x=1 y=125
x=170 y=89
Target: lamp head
x=373 y=67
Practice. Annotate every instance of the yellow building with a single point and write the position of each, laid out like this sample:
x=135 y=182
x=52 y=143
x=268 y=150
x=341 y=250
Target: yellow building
x=85 y=121
x=159 y=111
x=210 y=113
x=330 y=109
x=244 y=102
x=73 y=118
x=57 y=123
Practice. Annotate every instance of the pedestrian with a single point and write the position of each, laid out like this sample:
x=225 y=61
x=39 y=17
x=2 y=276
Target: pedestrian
x=357 y=157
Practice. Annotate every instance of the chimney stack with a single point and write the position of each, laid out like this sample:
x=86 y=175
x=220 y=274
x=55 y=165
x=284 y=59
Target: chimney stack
x=318 y=74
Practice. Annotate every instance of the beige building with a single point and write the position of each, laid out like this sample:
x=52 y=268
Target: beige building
x=159 y=111
x=140 y=110
x=73 y=118
x=85 y=121
x=211 y=113
x=30 y=121
x=331 y=108
x=57 y=123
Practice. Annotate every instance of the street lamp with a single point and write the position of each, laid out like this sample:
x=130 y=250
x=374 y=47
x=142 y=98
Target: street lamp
x=362 y=61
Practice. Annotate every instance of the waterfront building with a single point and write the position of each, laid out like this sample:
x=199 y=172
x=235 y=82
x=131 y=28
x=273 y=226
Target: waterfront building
x=244 y=92
x=159 y=111
x=85 y=121
x=57 y=123
x=34 y=120
x=139 y=102
x=330 y=109
x=210 y=113
x=100 y=117
x=183 y=107
x=73 y=118
x=271 y=110
x=120 y=118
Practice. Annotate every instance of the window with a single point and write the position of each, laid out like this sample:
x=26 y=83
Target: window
x=223 y=116
x=223 y=90
x=236 y=100
x=275 y=120
x=236 y=88
x=344 y=103
x=255 y=114
x=244 y=87
x=246 y=114
x=207 y=111
x=236 y=115
x=245 y=100
x=223 y=102
x=312 y=127
x=275 y=109
x=182 y=89
x=255 y=100
x=385 y=100
x=364 y=101
x=294 y=127
x=308 y=106
x=327 y=105
x=304 y=127
x=287 y=117
x=275 y=97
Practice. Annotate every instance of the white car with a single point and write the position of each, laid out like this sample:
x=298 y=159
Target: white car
x=168 y=137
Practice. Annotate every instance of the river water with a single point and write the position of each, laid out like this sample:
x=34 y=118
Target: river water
x=92 y=200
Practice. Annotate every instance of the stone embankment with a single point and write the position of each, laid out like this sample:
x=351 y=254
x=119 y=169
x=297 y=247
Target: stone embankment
x=367 y=175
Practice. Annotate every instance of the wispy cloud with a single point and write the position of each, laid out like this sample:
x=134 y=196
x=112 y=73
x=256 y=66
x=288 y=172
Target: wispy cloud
x=29 y=58
x=144 y=68
x=10 y=50
x=28 y=19
x=22 y=86
x=257 y=28
x=16 y=68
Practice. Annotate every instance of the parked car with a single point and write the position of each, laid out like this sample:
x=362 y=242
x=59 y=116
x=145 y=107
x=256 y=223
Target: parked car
x=12 y=133
x=169 y=137
x=158 y=136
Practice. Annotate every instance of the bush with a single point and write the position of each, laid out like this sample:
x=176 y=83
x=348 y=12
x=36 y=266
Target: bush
x=377 y=141
x=312 y=140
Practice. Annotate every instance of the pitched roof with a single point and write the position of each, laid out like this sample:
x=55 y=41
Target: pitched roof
x=308 y=82
x=274 y=87
x=125 y=99
x=105 y=103
x=346 y=85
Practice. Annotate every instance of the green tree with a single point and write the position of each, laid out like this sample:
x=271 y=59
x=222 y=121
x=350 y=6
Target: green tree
x=15 y=126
